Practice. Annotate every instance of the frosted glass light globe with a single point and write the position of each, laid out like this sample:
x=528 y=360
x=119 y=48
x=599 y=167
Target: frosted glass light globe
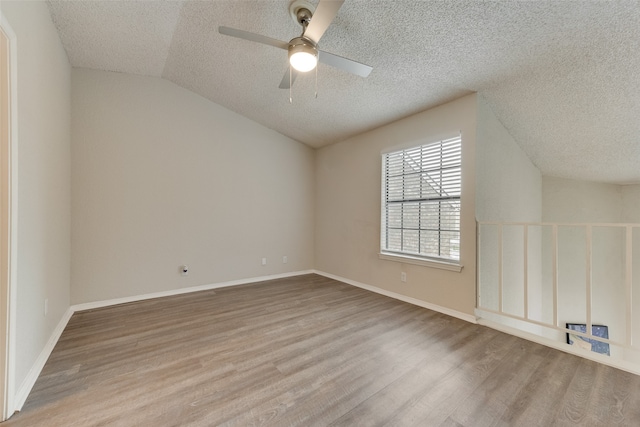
x=303 y=61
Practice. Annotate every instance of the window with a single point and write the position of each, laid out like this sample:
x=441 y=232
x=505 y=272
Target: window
x=421 y=202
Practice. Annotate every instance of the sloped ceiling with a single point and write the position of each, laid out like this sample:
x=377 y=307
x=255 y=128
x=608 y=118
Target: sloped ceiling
x=562 y=76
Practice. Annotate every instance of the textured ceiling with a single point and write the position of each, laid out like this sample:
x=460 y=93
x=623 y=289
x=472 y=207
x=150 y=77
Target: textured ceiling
x=562 y=76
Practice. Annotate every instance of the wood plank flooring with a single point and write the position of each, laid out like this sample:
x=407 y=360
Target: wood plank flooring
x=311 y=351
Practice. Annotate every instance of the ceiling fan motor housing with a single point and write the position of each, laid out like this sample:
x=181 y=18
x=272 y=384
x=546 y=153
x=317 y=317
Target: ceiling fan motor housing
x=302 y=44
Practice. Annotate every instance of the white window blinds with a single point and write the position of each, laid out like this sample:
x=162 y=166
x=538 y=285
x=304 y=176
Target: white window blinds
x=421 y=201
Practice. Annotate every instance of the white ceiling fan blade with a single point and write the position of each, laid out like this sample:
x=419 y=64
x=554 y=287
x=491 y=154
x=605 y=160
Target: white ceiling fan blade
x=325 y=12
x=286 y=83
x=345 y=64
x=246 y=35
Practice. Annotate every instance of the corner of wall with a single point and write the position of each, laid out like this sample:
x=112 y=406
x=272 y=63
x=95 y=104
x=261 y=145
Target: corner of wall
x=32 y=376
x=44 y=218
x=508 y=183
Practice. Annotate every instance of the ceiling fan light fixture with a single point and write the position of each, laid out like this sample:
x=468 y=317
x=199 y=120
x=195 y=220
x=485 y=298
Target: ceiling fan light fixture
x=303 y=54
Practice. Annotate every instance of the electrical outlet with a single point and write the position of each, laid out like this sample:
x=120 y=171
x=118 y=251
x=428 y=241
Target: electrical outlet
x=264 y=261
x=403 y=277
x=184 y=270
x=284 y=259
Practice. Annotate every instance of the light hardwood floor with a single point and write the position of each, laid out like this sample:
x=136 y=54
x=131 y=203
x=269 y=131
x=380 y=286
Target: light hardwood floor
x=310 y=351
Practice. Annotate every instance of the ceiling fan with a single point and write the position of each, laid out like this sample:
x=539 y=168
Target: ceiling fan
x=303 y=51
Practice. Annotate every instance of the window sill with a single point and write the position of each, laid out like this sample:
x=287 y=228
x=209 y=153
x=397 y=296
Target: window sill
x=444 y=265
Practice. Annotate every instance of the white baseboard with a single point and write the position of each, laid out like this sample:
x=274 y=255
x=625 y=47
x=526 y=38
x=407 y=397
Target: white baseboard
x=444 y=310
x=36 y=369
x=116 y=301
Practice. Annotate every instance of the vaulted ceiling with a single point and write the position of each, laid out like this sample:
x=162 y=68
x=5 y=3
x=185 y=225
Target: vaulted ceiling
x=562 y=76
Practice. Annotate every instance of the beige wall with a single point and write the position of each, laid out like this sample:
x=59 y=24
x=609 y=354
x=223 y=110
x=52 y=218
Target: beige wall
x=348 y=176
x=43 y=180
x=630 y=203
x=163 y=177
x=566 y=200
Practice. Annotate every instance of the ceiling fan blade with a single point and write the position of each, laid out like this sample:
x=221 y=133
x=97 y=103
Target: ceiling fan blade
x=322 y=18
x=345 y=64
x=285 y=83
x=246 y=35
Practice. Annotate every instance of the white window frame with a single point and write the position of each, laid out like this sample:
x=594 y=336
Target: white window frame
x=409 y=257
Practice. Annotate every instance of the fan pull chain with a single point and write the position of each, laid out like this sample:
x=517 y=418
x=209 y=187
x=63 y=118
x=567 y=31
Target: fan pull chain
x=316 y=81
x=290 y=98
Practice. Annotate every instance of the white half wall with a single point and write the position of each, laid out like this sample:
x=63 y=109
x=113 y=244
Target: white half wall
x=163 y=177
x=631 y=214
x=348 y=200
x=572 y=201
x=43 y=263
